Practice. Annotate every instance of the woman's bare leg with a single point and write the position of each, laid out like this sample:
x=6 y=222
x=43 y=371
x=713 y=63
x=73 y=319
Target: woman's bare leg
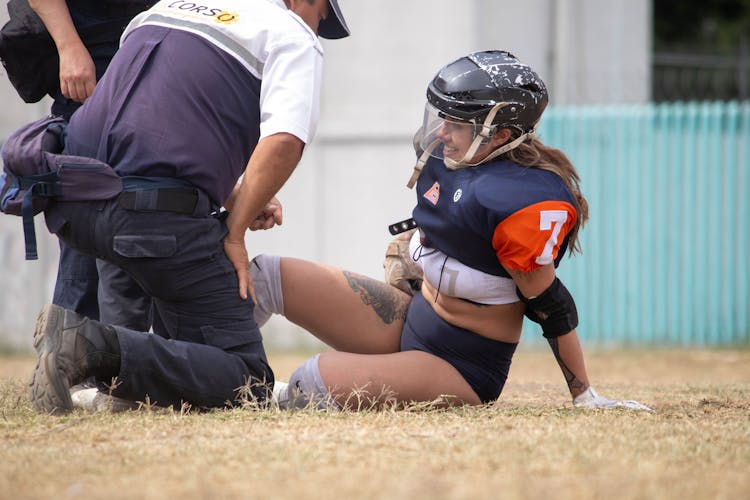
x=362 y=381
x=347 y=311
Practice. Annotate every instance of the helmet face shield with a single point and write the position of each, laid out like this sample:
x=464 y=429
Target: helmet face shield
x=444 y=136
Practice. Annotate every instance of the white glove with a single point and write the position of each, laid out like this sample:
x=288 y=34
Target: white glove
x=590 y=399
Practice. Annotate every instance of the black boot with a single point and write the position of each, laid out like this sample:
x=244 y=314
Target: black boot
x=70 y=348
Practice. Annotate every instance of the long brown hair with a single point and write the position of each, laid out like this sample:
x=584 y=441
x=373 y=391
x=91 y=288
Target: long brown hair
x=533 y=153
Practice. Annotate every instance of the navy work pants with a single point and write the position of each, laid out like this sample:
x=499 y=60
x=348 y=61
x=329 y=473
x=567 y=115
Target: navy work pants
x=208 y=345
x=100 y=290
x=77 y=282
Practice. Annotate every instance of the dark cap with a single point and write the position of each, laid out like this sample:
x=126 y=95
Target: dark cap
x=334 y=26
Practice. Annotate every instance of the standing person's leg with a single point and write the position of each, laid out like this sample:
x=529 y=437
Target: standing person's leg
x=77 y=282
x=77 y=279
x=215 y=346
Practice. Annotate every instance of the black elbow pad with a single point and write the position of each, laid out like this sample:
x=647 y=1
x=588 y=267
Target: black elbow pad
x=554 y=309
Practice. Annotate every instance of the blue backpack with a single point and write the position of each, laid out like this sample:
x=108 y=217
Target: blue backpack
x=36 y=172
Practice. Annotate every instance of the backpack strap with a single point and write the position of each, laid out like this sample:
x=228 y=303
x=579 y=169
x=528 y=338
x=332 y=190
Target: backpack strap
x=45 y=185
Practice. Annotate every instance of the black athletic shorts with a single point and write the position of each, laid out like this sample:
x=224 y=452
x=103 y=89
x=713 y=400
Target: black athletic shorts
x=483 y=362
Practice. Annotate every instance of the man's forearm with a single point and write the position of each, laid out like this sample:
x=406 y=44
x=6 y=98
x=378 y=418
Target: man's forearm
x=271 y=164
x=569 y=355
x=56 y=18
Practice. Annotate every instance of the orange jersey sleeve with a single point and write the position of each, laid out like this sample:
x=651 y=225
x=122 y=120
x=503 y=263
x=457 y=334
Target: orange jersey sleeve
x=531 y=237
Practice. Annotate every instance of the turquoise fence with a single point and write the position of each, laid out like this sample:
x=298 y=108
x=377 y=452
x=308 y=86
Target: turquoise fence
x=665 y=252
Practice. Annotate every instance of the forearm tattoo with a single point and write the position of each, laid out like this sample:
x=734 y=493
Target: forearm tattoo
x=573 y=383
x=388 y=303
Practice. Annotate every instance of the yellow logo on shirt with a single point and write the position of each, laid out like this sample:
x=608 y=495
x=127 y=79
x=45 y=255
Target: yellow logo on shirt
x=225 y=17
x=193 y=10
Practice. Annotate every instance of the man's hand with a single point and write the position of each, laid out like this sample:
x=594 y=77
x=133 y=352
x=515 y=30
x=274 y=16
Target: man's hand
x=77 y=70
x=270 y=216
x=590 y=399
x=77 y=73
x=237 y=255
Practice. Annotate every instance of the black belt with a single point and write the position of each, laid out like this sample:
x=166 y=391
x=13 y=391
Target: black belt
x=180 y=200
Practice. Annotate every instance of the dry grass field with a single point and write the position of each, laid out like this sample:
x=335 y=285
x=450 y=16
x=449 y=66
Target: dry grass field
x=531 y=444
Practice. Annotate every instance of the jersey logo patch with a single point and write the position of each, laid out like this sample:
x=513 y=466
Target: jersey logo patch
x=433 y=194
x=457 y=195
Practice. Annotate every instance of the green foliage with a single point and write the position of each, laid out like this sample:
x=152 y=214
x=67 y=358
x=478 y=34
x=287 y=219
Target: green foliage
x=715 y=27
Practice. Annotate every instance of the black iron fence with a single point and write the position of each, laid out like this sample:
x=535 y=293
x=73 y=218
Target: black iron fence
x=700 y=77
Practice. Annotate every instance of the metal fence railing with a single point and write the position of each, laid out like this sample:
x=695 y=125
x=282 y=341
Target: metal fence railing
x=691 y=77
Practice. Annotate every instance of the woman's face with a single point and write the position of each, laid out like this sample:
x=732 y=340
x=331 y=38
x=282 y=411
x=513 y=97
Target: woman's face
x=457 y=137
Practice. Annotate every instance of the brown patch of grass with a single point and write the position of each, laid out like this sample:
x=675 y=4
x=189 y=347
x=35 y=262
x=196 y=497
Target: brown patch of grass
x=531 y=444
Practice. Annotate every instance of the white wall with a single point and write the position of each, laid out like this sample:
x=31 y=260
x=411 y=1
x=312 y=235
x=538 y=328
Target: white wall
x=351 y=182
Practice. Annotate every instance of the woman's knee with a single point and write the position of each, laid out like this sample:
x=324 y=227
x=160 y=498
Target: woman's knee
x=307 y=389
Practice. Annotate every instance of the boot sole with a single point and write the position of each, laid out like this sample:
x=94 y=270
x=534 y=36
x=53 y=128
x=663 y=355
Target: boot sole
x=49 y=388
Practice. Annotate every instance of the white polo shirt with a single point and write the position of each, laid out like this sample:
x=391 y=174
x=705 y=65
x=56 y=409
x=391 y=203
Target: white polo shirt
x=270 y=41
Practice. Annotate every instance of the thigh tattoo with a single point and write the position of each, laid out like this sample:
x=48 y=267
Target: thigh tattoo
x=389 y=303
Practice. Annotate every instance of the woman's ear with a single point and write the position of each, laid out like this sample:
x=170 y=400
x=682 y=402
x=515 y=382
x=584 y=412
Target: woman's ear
x=501 y=136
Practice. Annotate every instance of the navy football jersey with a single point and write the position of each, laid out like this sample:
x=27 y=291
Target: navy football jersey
x=494 y=215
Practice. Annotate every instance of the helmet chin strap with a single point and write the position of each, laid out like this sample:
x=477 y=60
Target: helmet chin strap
x=456 y=165
x=420 y=163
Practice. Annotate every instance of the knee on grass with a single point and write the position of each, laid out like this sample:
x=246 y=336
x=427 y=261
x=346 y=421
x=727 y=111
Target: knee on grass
x=307 y=389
